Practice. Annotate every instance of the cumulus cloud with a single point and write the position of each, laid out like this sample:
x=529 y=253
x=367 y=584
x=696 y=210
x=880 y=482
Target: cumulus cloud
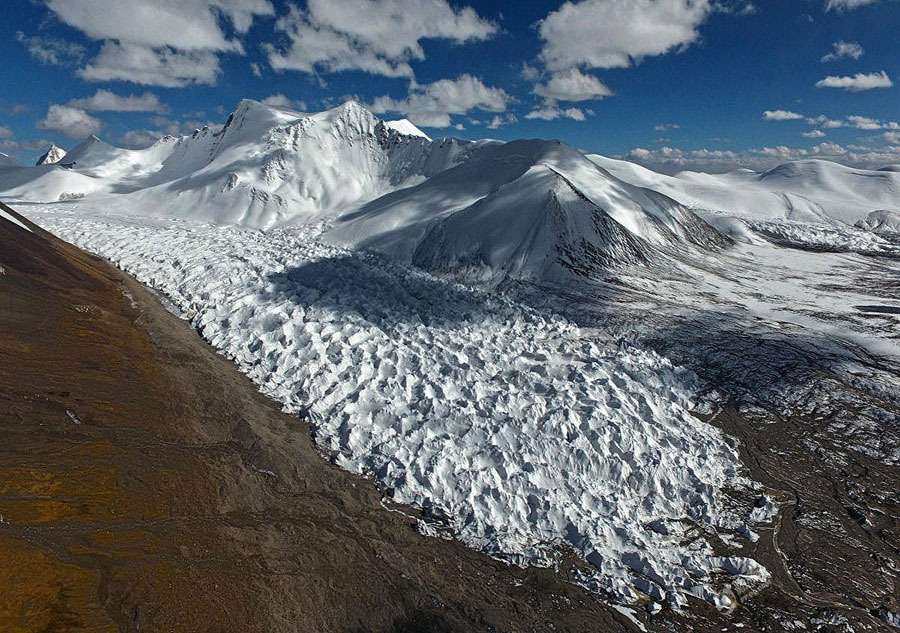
x=164 y=67
x=551 y=112
x=188 y=25
x=844 y=5
x=844 y=50
x=499 y=121
x=106 y=101
x=281 y=101
x=618 y=33
x=858 y=82
x=51 y=51
x=162 y=43
x=663 y=127
x=331 y=35
x=431 y=105
x=73 y=122
x=814 y=134
x=572 y=85
x=853 y=121
x=781 y=115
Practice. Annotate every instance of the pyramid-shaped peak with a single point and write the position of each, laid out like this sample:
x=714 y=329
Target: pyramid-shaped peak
x=51 y=156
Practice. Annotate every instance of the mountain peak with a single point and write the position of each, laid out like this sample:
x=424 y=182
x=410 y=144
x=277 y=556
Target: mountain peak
x=406 y=127
x=53 y=155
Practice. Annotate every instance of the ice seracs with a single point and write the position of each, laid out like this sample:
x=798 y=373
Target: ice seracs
x=51 y=156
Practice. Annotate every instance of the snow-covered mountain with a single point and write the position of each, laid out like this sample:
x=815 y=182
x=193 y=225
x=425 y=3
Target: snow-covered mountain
x=484 y=210
x=529 y=209
x=8 y=161
x=51 y=156
x=813 y=191
x=266 y=166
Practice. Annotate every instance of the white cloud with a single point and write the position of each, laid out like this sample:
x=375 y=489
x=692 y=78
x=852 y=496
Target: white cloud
x=168 y=43
x=499 y=121
x=106 y=101
x=844 y=5
x=854 y=121
x=781 y=115
x=431 y=105
x=669 y=160
x=281 y=101
x=618 y=33
x=73 y=122
x=380 y=37
x=52 y=51
x=814 y=134
x=188 y=25
x=857 y=82
x=663 y=127
x=824 y=121
x=551 y=112
x=572 y=85
x=5 y=131
x=844 y=50
x=892 y=137
x=828 y=149
x=164 y=67
x=863 y=123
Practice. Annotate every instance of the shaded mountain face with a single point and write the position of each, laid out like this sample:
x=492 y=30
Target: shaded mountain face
x=52 y=156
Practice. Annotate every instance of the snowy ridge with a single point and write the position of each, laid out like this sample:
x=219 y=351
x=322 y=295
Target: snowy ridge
x=517 y=430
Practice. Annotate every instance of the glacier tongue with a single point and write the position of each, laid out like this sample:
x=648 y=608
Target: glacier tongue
x=521 y=431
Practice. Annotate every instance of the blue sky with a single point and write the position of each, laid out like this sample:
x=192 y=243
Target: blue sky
x=708 y=84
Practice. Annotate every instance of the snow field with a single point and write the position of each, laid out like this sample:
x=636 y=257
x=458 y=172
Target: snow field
x=519 y=429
